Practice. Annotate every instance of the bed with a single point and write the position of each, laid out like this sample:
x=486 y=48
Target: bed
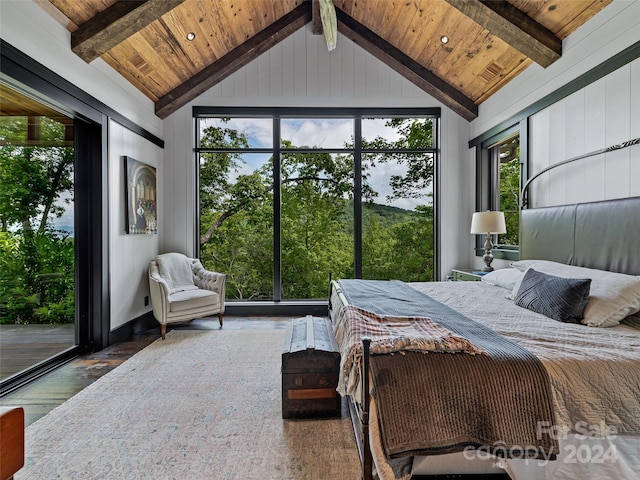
x=576 y=411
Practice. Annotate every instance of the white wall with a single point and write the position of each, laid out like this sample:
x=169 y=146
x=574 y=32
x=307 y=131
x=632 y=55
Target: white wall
x=603 y=114
x=25 y=26
x=300 y=72
x=129 y=255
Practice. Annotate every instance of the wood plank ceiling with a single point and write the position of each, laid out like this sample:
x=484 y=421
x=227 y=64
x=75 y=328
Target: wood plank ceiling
x=489 y=43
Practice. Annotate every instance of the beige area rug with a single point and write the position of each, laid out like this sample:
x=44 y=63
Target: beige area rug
x=199 y=405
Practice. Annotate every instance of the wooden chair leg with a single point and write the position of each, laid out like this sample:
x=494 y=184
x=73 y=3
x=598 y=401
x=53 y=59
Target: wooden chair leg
x=220 y=318
x=163 y=330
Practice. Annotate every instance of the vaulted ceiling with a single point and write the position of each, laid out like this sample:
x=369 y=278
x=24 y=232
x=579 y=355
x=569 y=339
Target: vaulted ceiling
x=489 y=42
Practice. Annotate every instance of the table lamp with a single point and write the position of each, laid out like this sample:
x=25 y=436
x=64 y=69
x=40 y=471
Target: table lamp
x=488 y=223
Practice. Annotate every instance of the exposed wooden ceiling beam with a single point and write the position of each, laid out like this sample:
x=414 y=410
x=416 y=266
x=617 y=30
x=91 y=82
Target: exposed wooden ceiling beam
x=406 y=66
x=316 y=21
x=514 y=27
x=115 y=24
x=234 y=60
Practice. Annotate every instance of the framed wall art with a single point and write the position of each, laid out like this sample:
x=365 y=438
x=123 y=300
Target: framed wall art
x=140 y=197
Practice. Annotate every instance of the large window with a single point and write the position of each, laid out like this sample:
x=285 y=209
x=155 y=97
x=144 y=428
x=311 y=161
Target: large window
x=288 y=198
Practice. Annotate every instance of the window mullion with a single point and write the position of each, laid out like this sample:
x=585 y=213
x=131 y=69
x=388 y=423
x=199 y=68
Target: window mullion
x=277 y=212
x=357 y=197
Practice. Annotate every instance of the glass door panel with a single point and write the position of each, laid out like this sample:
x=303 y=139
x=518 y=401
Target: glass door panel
x=236 y=221
x=37 y=271
x=317 y=222
x=397 y=224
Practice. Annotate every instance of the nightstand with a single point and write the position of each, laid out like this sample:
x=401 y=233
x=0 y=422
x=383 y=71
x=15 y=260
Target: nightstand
x=466 y=275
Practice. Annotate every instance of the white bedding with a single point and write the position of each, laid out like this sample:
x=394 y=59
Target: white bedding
x=594 y=372
x=579 y=459
x=595 y=378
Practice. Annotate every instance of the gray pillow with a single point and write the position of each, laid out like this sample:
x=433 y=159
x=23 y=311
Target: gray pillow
x=563 y=299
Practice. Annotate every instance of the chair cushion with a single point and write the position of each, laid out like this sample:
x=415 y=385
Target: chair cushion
x=189 y=299
x=175 y=269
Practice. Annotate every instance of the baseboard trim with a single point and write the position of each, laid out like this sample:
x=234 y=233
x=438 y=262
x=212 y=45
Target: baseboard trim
x=132 y=327
x=240 y=309
x=290 y=308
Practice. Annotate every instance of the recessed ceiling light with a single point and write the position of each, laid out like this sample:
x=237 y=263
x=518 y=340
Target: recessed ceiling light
x=191 y=36
x=444 y=39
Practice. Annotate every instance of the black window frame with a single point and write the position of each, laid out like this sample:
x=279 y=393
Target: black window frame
x=487 y=182
x=357 y=115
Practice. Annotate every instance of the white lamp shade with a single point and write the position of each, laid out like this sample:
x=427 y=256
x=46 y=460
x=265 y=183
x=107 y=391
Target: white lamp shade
x=488 y=222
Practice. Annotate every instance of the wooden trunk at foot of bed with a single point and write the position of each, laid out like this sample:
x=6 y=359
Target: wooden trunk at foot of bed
x=310 y=366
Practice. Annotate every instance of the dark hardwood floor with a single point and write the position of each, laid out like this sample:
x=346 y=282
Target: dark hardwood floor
x=47 y=392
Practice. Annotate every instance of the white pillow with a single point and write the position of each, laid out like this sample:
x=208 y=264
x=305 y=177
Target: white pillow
x=504 y=277
x=522 y=265
x=613 y=296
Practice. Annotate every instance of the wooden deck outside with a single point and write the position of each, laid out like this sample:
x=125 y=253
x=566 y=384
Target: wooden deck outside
x=22 y=346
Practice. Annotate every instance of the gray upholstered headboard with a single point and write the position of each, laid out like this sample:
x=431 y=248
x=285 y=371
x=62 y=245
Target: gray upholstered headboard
x=603 y=235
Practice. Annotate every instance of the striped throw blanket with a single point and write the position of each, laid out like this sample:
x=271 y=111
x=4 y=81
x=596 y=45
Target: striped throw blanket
x=389 y=334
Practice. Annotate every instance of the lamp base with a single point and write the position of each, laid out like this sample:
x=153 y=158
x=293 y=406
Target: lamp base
x=488 y=257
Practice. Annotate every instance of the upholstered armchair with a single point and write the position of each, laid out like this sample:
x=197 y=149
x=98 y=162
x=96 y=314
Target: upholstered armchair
x=182 y=290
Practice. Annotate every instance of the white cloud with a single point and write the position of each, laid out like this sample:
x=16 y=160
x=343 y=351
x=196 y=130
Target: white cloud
x=379 y=179
x=259 y=131
x=323 y=133
x=251 y=163
x=375 y=127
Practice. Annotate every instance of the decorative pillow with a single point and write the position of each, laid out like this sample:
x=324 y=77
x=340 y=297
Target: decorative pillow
x=563 y=299
x=504 y=277
x=614 y=296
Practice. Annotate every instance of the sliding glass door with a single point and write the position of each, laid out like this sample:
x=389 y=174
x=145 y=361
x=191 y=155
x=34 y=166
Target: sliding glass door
x=37 y=271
